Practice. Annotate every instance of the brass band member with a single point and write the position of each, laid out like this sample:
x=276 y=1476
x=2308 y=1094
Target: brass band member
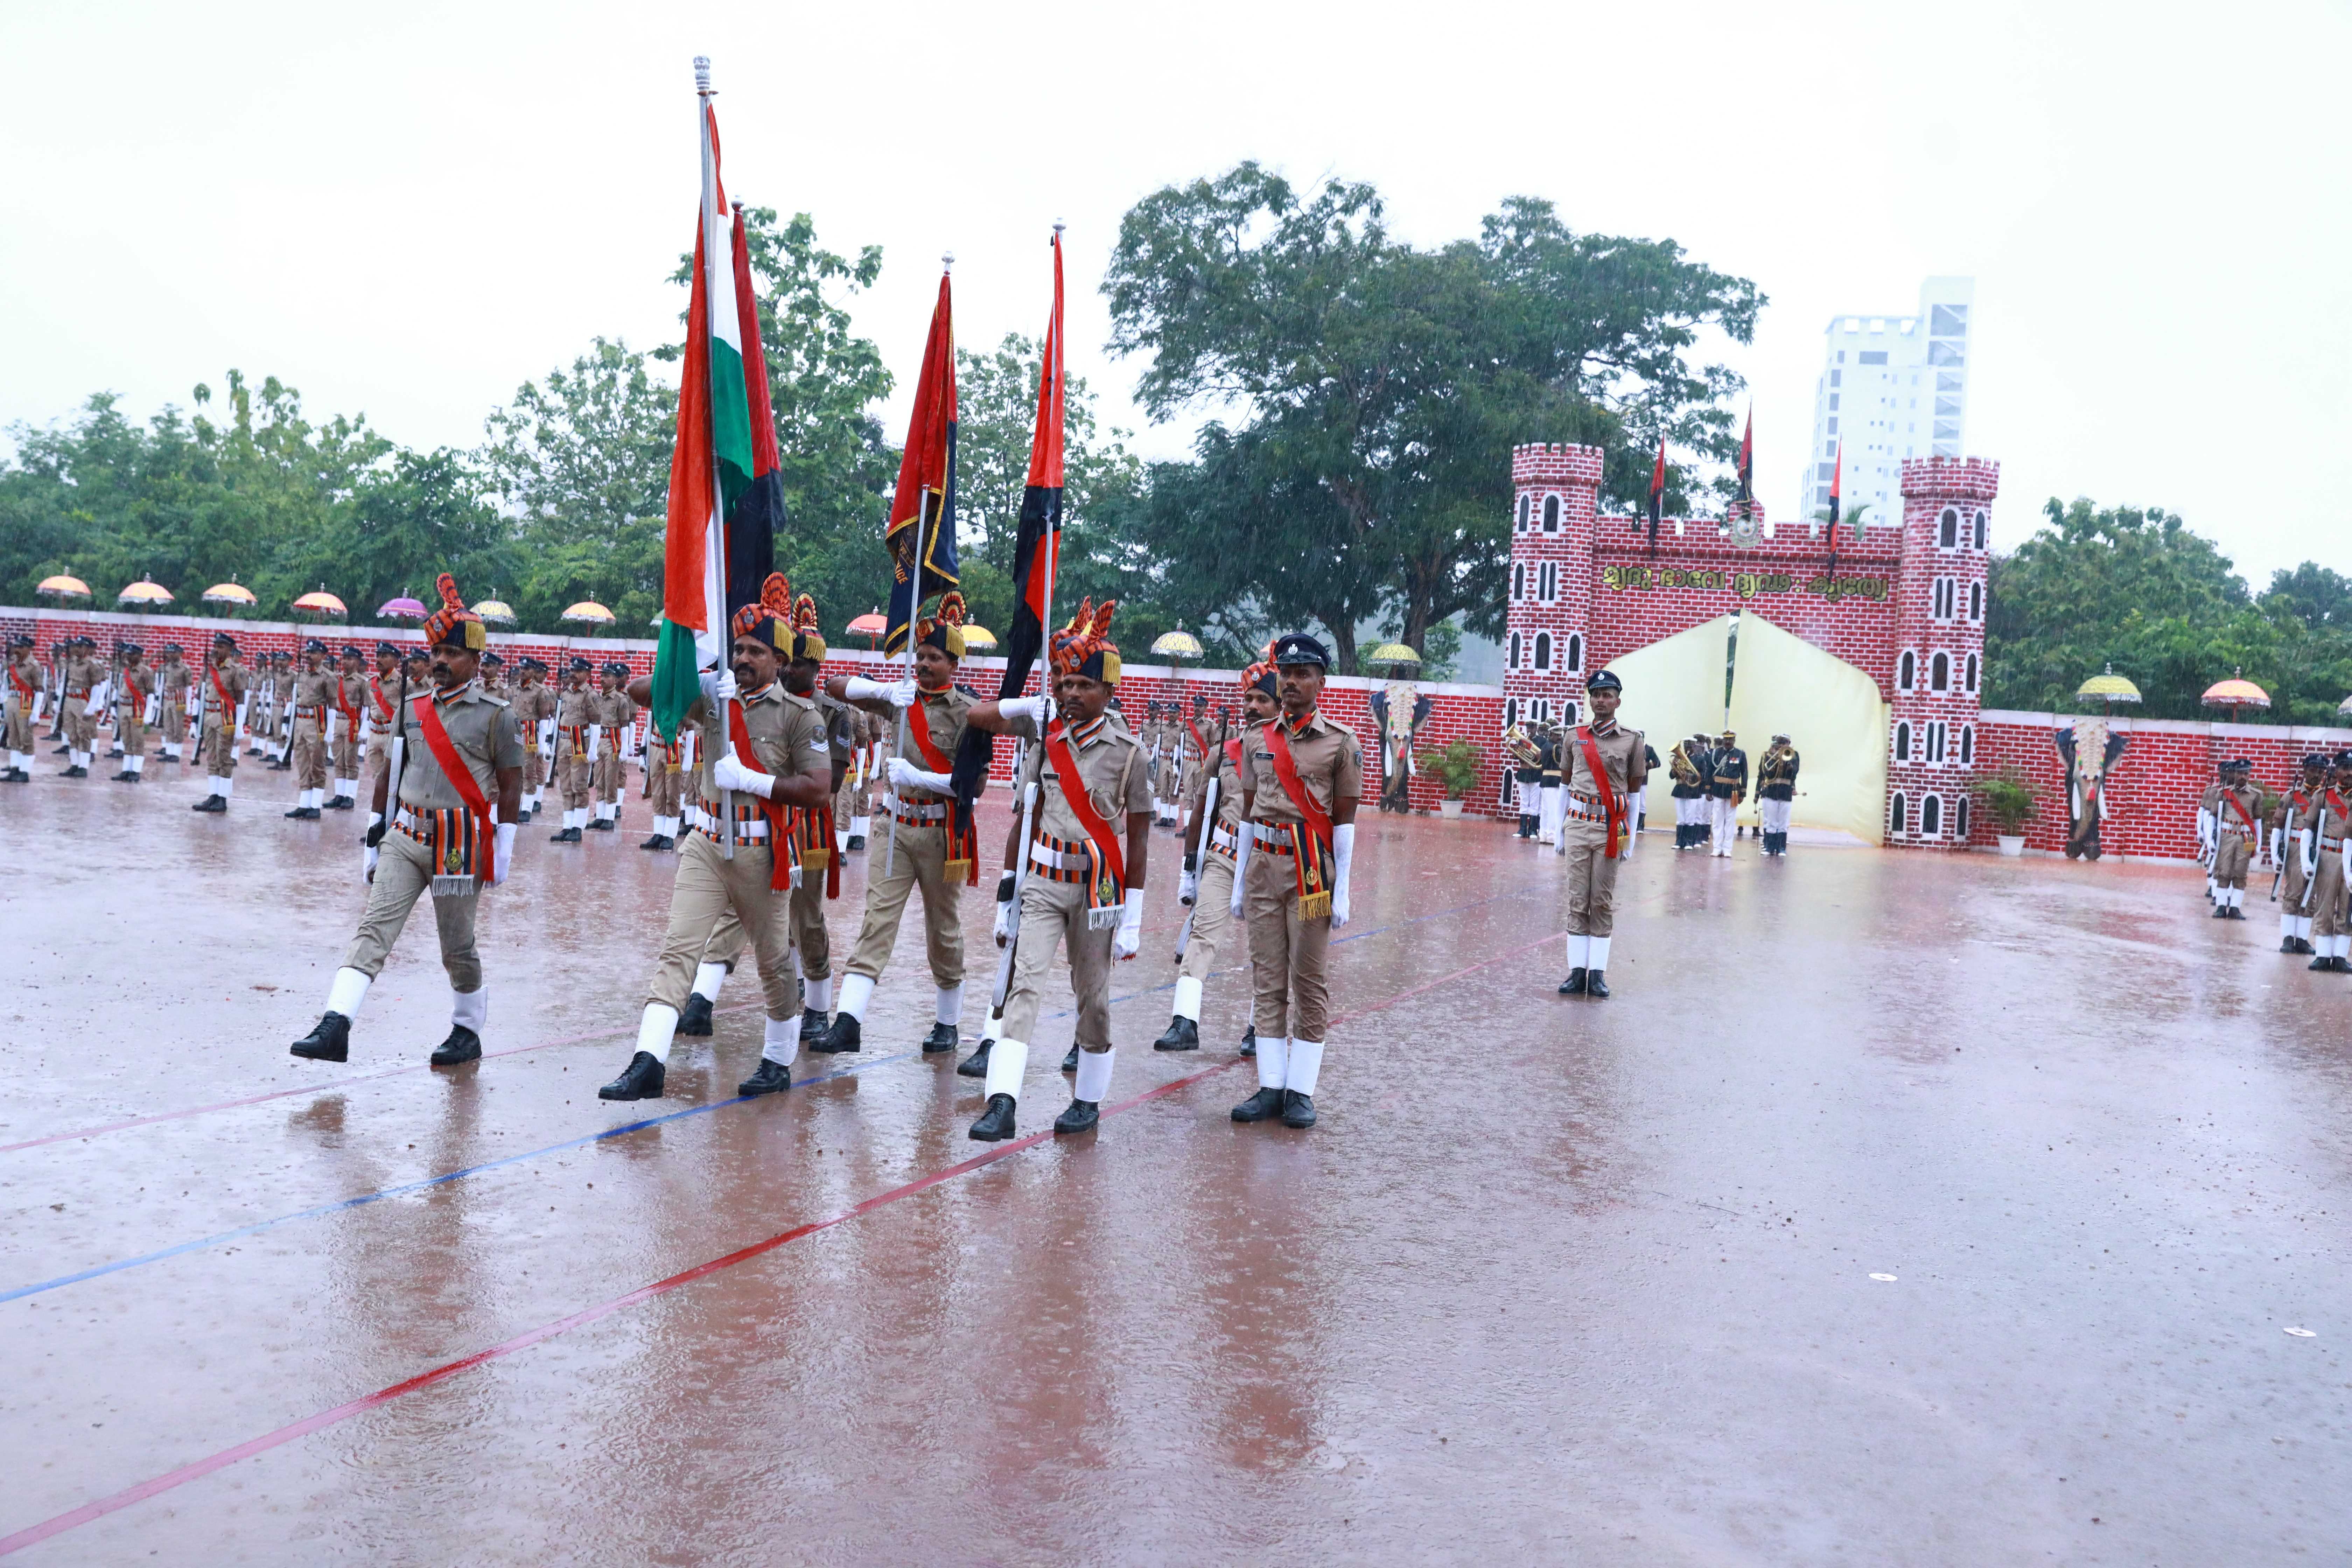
x=1775 y=789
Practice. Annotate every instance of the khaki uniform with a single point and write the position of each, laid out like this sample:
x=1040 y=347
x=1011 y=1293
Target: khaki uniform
x=711 y=891
x=920 y=860
x=1212 y=919
x=482 y=732
x=135 y=684
x=2235 y=837
x=218 y=740
x=313 y=690
x=1584 y=827
x=2325 y=891
x=821 y=843
x=378 y=695
x=1290 y=952
x=616 y=712
x=350 y=697
x=82 y=676
x=1055 y=909
x=175 y=678
x=19 y=694
x=534 y=704
x=2294 y=815
x=665 y=774
x=574 y=712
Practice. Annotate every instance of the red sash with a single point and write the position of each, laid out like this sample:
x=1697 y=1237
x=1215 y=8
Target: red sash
x=24 y=687
x=1200 y=741
x=918 y=730
x=461 y=779
x=1610 y=805
x=2243 y=816
x=1107 y=889
x=1311 y=847
x=228 y=703
x=351 y=712
x=963 y=834
x=1234 y=753
x=781 y=848
x=383 y=704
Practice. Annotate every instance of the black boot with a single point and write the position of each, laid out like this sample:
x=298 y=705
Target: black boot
x=858 y=841
x=942 y=1037
x=125 y=776
x=1298 y=1109
x=329 y=1041
x=1575 y=982
x=1249 y=1041
x=772 y=1077
x=813 y=1024
x=1595 y=986
x=844 y=1036
x=210 y=803
x=2286 y=945
x=2236 y=913
x=1079 y=1116
x=641 y=1079
x=1070 y=1062
x=568 y=835
x=2320 y=962
x=2220 y=912
x=341 y=803
x=462 y=1046
x=15 y=775
x=2340 y=964
x=76 y=771
x=995 y=1123
x=1183 y=1035
x=1265 y=1102
x=694 y=1018
x=655 y=842
x=976 y=1064
x=2303 y=945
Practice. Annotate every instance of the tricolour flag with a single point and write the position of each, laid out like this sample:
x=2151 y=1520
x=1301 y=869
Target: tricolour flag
x=757 y=515
x=1657 y=494
x=710 y=466
x=1747 y=461
x=1837 y=481
x=921 y=530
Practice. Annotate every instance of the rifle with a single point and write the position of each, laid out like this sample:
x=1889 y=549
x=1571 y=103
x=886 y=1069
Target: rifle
x=399 y=753
x=1207 y=821
x=1020 y=881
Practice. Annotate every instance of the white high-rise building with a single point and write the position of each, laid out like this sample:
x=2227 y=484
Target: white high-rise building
x=1892 y=387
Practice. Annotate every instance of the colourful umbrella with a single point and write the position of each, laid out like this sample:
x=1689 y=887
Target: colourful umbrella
x=497 y=611
x=1178 y=644
x=63 y=587
x=2235 y=693
x=143 y=591
x=978 y=639
x=322 y=604
x=229 y=593
x=2108 y=690
x=403 y=608
x=869 y=626
x=590 y=611
x=1392 y=653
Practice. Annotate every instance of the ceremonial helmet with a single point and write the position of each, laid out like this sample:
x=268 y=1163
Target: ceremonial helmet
x=769 y=618
x=944 y=629
x=1084 y=647
x=1262 y=676
x=452 y=625
x=808 y=640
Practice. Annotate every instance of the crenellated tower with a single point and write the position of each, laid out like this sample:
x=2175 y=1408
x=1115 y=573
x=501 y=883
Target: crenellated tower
x=1555 y=491
x=1933 y=755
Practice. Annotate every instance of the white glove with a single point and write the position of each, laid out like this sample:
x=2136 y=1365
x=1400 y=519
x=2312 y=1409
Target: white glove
x=502 y=839
x=1130 y=935
x=1037 y=710
x=1188 y=887
x=724 y=687
x=369 y=854
x=1245 y=837
x=91 y=709
x=730 y=774
x=1004 y=909
x=904 y=774
x=897 y=693
x=1343 y=850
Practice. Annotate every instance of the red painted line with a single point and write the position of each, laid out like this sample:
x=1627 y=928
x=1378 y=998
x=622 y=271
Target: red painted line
x=71 y=1519
x=322 y=1088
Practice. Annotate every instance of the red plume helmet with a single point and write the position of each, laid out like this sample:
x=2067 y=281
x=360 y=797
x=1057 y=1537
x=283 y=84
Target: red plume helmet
x=453 y=622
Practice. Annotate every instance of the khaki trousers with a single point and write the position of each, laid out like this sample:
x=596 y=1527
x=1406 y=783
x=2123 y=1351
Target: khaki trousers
x=668 y=791
x=709 y=888
x=173 y=720
x=2328 y=903
x=1289 y=957
x=1213 y=917
x=402 y=874
x=810 y=938
x=20 y=727
x=2232 y=856
x=129 y=733
x=2290 y=873
x=345 y=758
x=309 y=755
x=373 y=766
x=220 y=748
x=608 y=773
x=920 y=860
x=1592 y=876
x=577 y=781
x=1054 y=914
x=82 y=730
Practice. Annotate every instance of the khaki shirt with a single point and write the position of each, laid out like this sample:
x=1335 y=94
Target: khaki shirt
x=942 y=712
x=315 y=691
x=176 y=678
x=616 y=713
x=787 y=735
x=482 y=730
x=576 y=710
x=237 y=679
x=1330 y=763
x=1622 y=755
x=1110 y=763
x=2251 y=799
x=534 y=703
x=81 y=676
x=137 y=680
x=844 y=733
x=1228 y=777
x=25 y=669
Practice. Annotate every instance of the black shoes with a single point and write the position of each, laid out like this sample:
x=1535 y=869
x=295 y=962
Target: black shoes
x=2286 y=945
x=15 y=775
x=1265 y=1102
x=655 y=842
x=125 y=776
x=694 y=1018
x=2302 y=945
x=1249 y=1041
x=815 y=1025
x=462 y=1046
x=1183 y=1035
x=569 y=836
x=76 y=771
x=210 y=803
x=341 y=803
x=1070 y=1062
x=858 y=841
x=942 y=1037
x=2322 y=962
x=641 y=1079
x=1574 y=984
x=1079 y=1116
x=1596 y=987
x=976 y=1064
x=2220 y=912
x=1298 y=1109
x=2236 y=913
x=772 y=1077
x=329 y=1041
x=847 y=1035
x=304 y=814
x=602 y=824
x=995 y=1123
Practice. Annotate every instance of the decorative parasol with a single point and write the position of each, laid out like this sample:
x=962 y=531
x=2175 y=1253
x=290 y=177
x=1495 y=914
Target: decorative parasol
x=869 y=626
x=403 y=608
x=1392 y=653
x=229 y=593
x=590 y=611
x=144 y=592
x=2235 y=693
x=322 y=604
x=2345 y=706
x=978 y=639
x=497 y=611
x=63 y=587
x=2108 y=690
x=1178 y=644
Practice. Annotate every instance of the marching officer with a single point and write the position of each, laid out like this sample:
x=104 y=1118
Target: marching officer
x=2292 y=819
x=576 y=737
x=1775 y=789
x=1211 y=846
x=936 y=846
x=136 y=687
x=82 y=674
x=1607 y=768
x=1302 y=777
x=310 y=694
x=175 y=684
x=460 y=761
x=19 y=697
x=346 y=706
x=221 y=699
x=1726 y=787
x=534 y=705
x=616 y=718
x=2238 y=809
x=770 y=757
x=2323 y=868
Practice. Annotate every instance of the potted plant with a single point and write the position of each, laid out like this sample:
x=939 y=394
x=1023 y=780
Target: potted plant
x=2009 y=799
x=1456 y=767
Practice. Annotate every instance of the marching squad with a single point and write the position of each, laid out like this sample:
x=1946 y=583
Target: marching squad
x=2298 y=835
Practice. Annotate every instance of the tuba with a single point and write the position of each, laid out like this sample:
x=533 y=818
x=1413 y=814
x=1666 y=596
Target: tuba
x=1522 y=747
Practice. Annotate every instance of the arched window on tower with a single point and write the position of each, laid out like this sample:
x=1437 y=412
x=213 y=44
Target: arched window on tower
x=1906 y=671
x=1575 y=652
x=1960 y=819
x=1513 y=661
x=1972 y=672
x=1968 y=745
x=1518 y=581
x=1548 y=581
x=1898 y=815
x=1510 y=711
x=1939 y=672
x=1902 y=741
x=1976 y=601
x=1931 y=816
x=1982 y=524
x=1551 y=514
x=1947 y=529
x=1543 y=650
x=1523 y=514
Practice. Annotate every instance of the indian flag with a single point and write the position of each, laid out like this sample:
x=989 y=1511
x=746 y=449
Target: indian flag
x=711 y=464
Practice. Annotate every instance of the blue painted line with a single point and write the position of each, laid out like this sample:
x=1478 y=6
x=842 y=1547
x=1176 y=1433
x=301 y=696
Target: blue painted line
x=406 y=1188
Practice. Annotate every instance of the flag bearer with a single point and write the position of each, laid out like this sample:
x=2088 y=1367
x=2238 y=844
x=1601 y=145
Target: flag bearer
x=1210 y=846
x=1606 y=769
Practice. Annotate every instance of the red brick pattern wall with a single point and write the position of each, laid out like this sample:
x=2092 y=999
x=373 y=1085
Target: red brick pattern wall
x=1936 y=490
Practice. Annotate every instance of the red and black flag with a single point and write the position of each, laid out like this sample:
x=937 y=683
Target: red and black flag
x=1036 y=546
x=1657 y=494
x=756 y=516
x=1748 y=461
x=921 y=531
x=1837 y=481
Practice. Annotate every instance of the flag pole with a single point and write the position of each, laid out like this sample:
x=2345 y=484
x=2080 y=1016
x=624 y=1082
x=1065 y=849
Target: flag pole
x=915 y=602
x=714 y=547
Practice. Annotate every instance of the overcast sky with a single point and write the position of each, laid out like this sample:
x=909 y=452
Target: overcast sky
x=406 y=211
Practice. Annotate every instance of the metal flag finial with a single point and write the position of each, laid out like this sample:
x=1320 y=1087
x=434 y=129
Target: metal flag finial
x=1057 y=226
x=702 y=75
x=947 y=260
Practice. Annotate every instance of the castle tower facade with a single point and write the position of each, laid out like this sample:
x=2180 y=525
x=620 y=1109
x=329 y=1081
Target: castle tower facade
x=1935 y=751
x=1555 y=491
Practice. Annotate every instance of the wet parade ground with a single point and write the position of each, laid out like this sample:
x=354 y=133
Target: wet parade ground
x=1897 y=1208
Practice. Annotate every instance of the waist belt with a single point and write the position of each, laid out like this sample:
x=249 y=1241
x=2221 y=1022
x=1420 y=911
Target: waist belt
x=1276 y=840
x=2240 y=828
x=753 y=829
x=1587 y=808
x=1222 y=840
x=308 y=710
x=1061 y=860
x=2326 y=844
x=913 y=813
